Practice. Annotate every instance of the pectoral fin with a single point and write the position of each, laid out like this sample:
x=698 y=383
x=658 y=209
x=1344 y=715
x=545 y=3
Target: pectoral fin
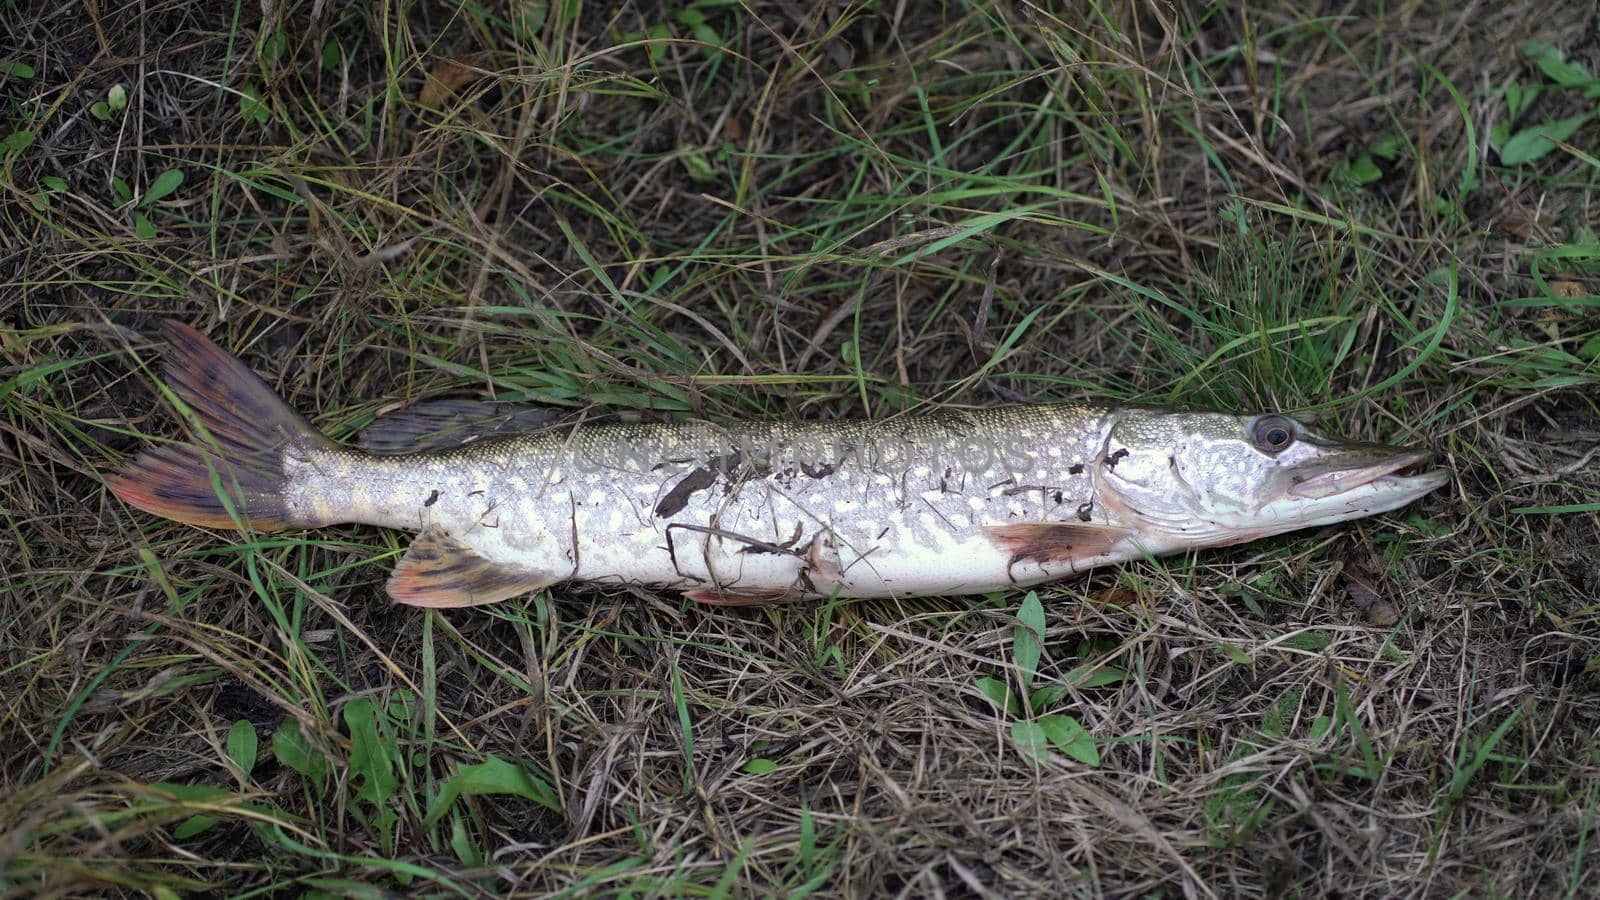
x=442 y=572
x=1078 y=546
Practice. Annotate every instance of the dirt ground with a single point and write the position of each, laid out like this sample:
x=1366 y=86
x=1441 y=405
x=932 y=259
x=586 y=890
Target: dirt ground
x=1381 y=216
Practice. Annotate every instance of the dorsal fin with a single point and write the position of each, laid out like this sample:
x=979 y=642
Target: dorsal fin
x=450 y=422
x=442 y=572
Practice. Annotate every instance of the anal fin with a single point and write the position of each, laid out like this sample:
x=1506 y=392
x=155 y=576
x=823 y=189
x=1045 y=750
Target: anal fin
x=440 y=571
x=1059 y=543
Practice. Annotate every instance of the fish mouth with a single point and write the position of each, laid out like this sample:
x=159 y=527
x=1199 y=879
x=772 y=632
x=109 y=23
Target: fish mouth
x=1407 y=472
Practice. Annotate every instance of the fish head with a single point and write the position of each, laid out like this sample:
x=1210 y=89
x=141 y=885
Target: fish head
x=1185 y=479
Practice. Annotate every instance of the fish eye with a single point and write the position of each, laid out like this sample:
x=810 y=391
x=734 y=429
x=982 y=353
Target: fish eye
x=1272 y=434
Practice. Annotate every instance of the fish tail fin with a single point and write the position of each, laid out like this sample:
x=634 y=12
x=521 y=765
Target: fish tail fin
x=233 y=474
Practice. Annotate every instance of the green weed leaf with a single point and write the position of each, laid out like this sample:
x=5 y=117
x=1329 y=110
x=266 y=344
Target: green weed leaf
x=1388 y=147
x=1320 y=727
x=709 y=36
x=528 y=20
x=1030 y=738
x=163 y=186
x=492 y=776
x=1309 y=640
x=1095 y=676
x=272 y=48
x=143 y=227
x=1045 y=697
x=371 y=759
x=1555 y=65
x=1532 y=143
x=1276 y=719
x=658 y=34
x=999 y=693
x=13 y=69
x=117 y=98
x=1031 y=614
x=16 y=142
x=1363 y=170
x=461 y=843
x=192 y=793
x=253 y=107
x=698 y=166
x=292 y=748
x=760 y=766
x=1519 y=97
x=243 y=745
x=1027 y=638
x=192 y=826
x=372 y=763
x=1071 y=738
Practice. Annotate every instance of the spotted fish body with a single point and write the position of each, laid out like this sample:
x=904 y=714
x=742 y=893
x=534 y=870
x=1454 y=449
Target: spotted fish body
x=872 y=509
x=952 y=502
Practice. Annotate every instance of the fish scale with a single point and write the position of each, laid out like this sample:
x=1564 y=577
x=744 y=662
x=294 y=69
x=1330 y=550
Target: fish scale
x=947 y=502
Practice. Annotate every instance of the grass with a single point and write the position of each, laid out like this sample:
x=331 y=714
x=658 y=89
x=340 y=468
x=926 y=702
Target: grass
x=1380 y=222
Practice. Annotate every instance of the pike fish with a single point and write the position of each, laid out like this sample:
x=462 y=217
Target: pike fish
x=952 y=502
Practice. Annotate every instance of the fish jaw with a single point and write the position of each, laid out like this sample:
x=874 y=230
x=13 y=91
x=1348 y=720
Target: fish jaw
x=1379 y=464
x=1354 y=480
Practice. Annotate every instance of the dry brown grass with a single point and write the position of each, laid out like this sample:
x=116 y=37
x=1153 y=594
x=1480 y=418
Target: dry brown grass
x=761 y=233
